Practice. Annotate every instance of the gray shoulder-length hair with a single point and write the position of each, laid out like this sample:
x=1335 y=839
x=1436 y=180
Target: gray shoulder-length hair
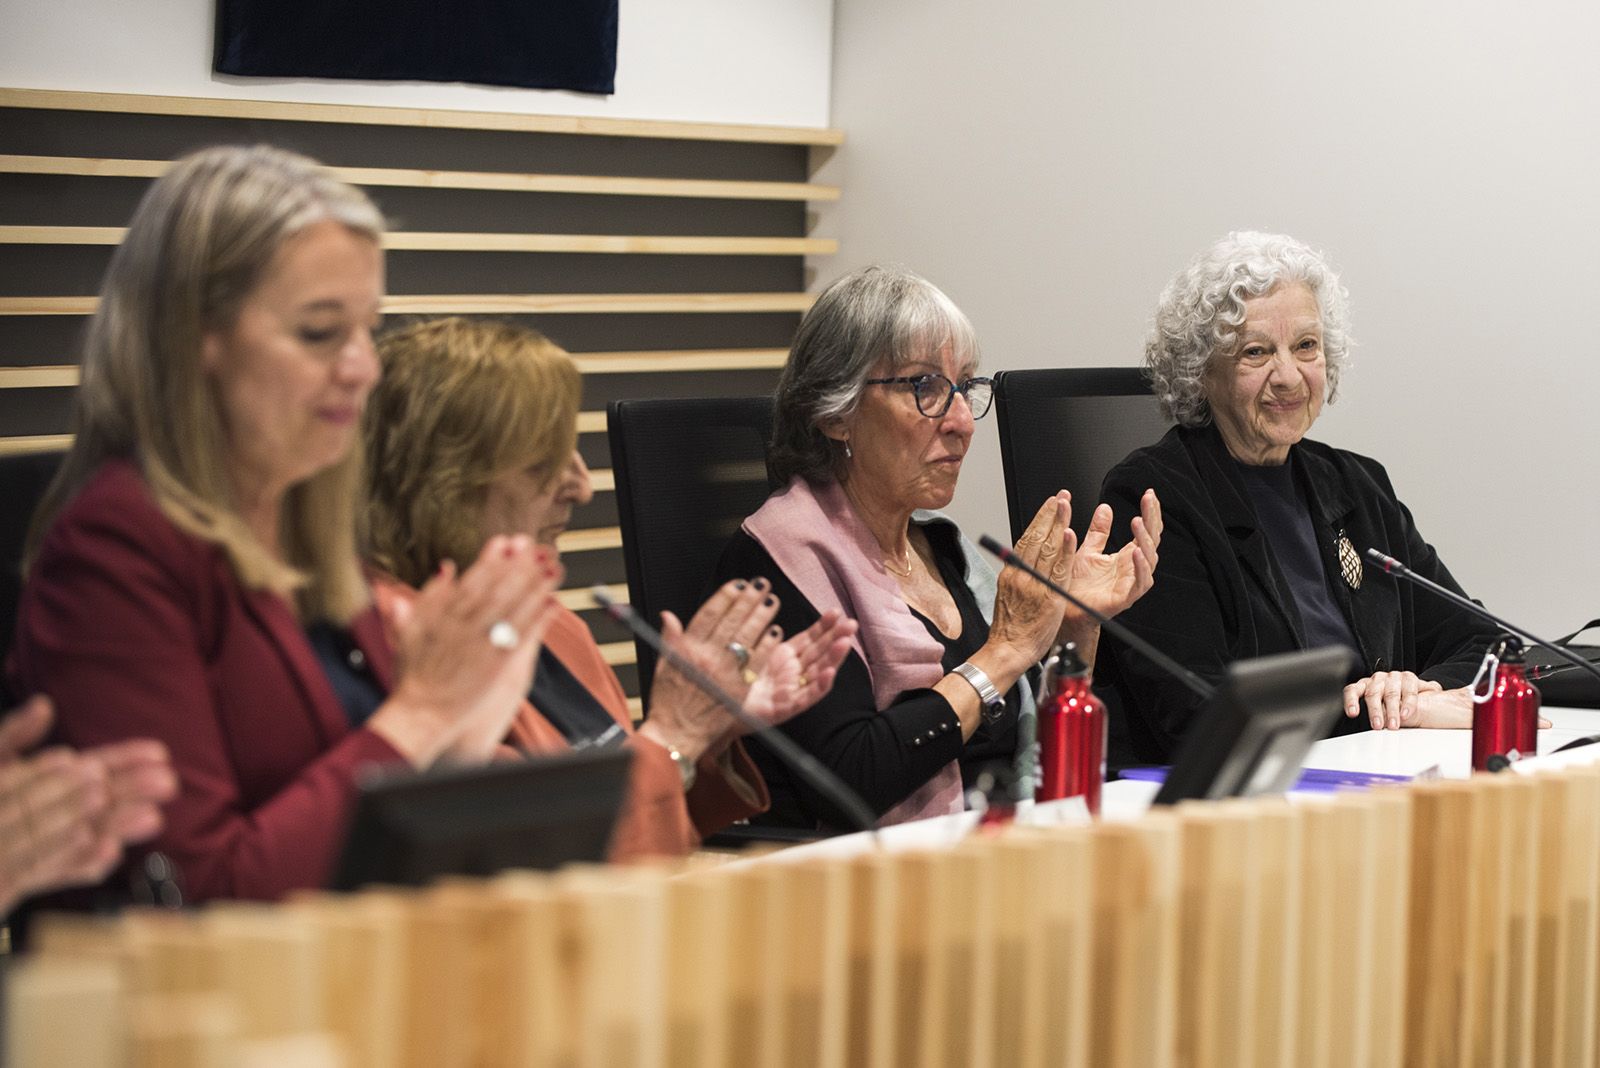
x=871 y=315
x=1201 y=310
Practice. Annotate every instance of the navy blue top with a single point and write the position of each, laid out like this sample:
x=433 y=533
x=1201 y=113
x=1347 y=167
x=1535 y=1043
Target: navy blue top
x=1284 y=511
x=347 y=670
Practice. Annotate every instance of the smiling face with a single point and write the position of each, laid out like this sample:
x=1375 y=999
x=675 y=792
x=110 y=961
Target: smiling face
x=1266 y=394
x=529 y=501
x=902 y=459
x=293 y=370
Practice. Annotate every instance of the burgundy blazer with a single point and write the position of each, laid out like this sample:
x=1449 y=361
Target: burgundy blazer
x=136 y=628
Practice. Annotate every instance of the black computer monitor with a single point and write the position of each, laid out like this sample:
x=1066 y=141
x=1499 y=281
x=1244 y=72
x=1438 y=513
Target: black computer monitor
x=409 y=828
x=1253 y=736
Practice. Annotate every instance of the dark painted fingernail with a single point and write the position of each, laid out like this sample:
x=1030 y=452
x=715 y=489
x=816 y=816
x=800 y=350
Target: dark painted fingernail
x=739 y=585
x=775 y=632
x=760 y=583
x=770 y=601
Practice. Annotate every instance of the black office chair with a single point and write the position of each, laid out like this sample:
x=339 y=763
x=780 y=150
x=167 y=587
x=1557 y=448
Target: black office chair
x=1064 y=429
x=23 y=480
x=687 y=474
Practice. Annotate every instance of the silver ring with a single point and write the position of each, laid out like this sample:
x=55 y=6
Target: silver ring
x=504 y=636
x=741 y=655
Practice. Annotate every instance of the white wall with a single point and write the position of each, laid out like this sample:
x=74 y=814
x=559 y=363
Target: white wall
x=693 y=60
x=1052 y=164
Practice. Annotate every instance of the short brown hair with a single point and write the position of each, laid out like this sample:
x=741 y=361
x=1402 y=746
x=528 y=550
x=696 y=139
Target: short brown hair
x=461 y=402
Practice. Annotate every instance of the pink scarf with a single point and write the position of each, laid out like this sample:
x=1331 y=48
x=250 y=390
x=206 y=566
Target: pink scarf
x=816 y=538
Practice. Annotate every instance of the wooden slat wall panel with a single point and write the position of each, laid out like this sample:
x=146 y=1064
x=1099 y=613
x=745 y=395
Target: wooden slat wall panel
x=668 y=259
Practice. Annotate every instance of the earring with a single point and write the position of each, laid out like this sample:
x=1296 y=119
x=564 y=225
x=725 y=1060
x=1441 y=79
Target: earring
x=847 y=453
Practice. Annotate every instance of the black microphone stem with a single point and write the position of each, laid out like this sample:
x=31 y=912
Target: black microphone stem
x=1160 y=659
x=783 y=747
x=1391 y=566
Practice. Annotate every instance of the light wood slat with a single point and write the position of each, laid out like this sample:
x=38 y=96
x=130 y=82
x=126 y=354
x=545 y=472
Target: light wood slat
x=501 y=181
x=611 y=244
x=36 y=443
x=502 y=304
x=617 y=363
x=581 y=600
x=636 y=708
x=618 y=653
x=591 y=422
x=435 y=118
x=591 y=540
x=38 y=377
x=603 y=480
x=594 y=363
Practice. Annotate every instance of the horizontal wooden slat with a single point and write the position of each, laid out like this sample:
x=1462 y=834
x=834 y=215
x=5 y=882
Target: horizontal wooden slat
x=591 y=540
x=581 y=600
x=36 y=443
x=617 y=653
x=492 y=242
x=502 y=303
x=499 y=181
x=437 y=118
x=618 y=363
x=603 y=480
x=591 y=422
x=593 y=363
x=38 y=377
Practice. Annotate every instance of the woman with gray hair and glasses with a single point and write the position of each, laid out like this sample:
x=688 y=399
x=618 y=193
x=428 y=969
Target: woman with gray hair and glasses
x=1265 y=529
x=872 y=418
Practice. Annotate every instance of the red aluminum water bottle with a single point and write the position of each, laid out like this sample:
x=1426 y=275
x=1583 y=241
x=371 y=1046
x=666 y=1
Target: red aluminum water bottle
x=1505 y=708
x=1072 y=732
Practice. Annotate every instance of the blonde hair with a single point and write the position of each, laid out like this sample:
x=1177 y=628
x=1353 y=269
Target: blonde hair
x=461 y=402
x=197 y=245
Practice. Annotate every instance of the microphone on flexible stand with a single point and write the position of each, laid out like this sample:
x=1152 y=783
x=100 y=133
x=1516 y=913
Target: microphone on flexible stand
x=1202 y=688
x=797 y=760
x=1391 y=566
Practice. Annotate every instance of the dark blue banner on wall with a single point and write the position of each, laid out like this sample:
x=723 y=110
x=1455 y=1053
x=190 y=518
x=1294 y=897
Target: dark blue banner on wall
x=535 y=44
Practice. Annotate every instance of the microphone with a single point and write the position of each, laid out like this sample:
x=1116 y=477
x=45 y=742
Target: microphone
x=797 y=760
x=1391 y=566
x=1202 y=688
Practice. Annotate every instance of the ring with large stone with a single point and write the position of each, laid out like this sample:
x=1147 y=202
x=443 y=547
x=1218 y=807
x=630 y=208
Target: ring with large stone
x=748 y=675
x=741 y=655
x=504 y=636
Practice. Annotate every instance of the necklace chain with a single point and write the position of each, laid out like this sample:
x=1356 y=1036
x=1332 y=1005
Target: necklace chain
x=895 y=570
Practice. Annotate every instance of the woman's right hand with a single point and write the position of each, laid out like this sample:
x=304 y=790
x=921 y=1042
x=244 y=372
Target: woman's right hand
x=457 y=691
x=1027 y=615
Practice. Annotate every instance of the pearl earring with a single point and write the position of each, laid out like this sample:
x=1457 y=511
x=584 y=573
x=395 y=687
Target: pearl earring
x=847 y=453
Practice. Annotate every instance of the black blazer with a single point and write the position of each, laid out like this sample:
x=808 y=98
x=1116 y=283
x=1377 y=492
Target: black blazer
x=1219 y=595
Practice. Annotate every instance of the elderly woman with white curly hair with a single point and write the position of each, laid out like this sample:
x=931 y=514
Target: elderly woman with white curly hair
x=1264 y=528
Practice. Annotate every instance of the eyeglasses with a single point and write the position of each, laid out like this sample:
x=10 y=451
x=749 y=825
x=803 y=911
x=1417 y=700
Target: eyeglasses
x=935 y=392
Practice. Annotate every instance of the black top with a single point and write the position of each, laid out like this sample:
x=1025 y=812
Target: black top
x=1222 y=594
x=995 y=740
x=882 y=755
x=1284 y=510
x=347 y=670
x=569 y=706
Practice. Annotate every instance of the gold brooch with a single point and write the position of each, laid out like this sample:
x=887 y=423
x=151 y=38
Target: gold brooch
x=1349 y=562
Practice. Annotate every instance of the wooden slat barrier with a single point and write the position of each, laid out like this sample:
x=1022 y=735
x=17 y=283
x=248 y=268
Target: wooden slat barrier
x=1438 y=923
x=284 y=111
x=490 y=242
x=413 y=178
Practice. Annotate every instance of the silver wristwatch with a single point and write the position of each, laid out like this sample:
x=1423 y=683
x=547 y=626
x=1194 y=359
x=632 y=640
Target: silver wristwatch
x=993 y=701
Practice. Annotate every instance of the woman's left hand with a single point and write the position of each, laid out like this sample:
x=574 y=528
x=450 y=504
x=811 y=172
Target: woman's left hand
x=796 y=674
x=1110 y=582
x=1398 y=699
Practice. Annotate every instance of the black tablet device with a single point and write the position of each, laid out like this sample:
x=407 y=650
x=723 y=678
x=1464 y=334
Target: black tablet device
x=409 y=828
x=1253 y=736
